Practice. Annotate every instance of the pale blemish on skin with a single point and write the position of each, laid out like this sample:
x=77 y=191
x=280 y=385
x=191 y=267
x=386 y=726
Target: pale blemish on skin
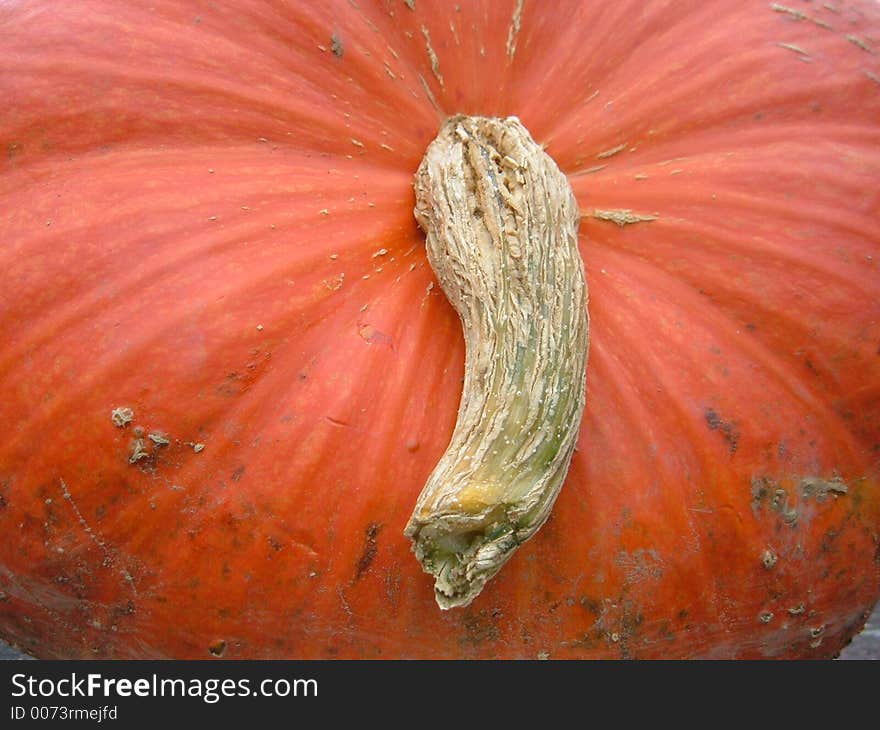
x=159 y=439
x=611 y=152
x=430 y=96
x=622 y=217
x=590 y=170
x=65 y=492
x=109 y=559
x=432 y=56
x=121 y=416
x=779 y=502
x=856 y=41
x=799 y=15
x=821 y=489
x=138 y=451
x=334 y=283
x=454 y=33
x=515 y=25
x=792 y=47
x=791 y=12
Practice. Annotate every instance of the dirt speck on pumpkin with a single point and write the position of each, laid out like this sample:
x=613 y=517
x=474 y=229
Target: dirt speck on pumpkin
x=198 y=447
x=481 y=626
x=769 y=559
x=13 y=150
x=138 y=451
x=765 y=617
x=765 y=488
x=370 y=549
x=337 y=46
x=761 y=487
x=779 y=503
x=218 y=648
x=727 y=428
x=372 y=336
x=821 y=489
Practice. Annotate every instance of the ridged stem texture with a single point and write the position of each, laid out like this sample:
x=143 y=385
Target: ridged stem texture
x=501 y=225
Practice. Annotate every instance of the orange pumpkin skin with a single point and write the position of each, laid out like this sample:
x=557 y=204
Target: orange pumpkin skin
x=196 y=204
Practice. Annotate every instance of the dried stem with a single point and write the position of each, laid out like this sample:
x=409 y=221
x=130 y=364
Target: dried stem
x=501 y=224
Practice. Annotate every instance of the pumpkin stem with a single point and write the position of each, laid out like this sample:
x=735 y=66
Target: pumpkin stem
x=501 y=224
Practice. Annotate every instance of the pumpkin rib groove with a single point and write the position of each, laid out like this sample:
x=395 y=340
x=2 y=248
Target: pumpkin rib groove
x=710 y=235
x=305 y=117
x=723 y=293
x=166 y=266
x=623 y=125
x=732 y=401
x=580 y=68
x=662 y=151
x=27 y=435
x=603 y=329
x=782 y=373
x=632 y=409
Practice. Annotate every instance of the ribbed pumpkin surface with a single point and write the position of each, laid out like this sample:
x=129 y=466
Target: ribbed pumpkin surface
x=207 y=219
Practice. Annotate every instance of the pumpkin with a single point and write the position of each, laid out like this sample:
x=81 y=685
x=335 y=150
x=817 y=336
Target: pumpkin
x=227 y=372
